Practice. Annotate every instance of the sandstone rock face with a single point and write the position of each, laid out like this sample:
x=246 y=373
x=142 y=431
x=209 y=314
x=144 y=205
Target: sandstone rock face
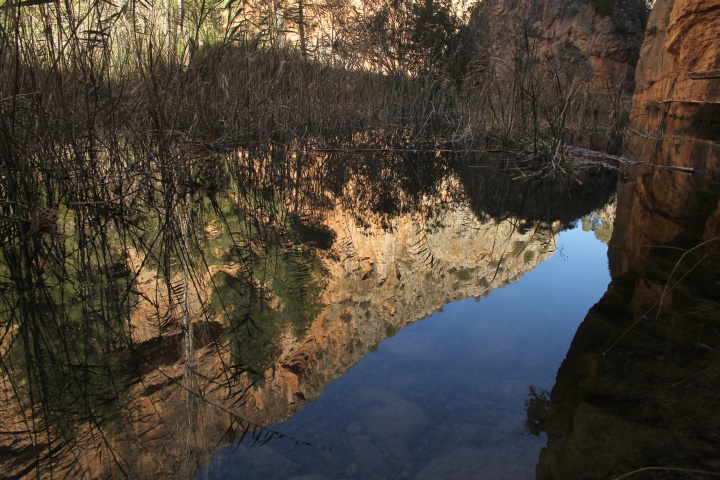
x=638 y=385
x=679 y=68
x=597 y=40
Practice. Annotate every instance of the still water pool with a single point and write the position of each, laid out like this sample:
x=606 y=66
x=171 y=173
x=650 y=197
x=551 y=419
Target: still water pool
x=446 y=396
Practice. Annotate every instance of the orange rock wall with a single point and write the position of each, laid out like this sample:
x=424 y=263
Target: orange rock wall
x=682 y=38
x=574 y=37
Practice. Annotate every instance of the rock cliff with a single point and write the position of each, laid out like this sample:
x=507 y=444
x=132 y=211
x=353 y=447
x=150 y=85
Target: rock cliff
x=598 y=40
x=678 y=74
x=637 y=393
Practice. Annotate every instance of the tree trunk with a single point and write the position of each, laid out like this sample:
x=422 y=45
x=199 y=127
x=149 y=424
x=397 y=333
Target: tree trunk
x=301 y=28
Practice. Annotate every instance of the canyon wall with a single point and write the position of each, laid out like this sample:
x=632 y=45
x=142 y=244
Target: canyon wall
x=638 y=385
x=636 y=393
x=597 y=41
x=678 y=74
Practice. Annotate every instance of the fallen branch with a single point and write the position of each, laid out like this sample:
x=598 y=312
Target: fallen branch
x=579 y=153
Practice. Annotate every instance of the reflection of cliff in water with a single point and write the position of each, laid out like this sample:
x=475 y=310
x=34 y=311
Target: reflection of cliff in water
x=307 y=263
x=638 y=390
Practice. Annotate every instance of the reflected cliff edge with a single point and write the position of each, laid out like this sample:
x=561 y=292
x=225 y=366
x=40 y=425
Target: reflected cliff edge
x=637 y=395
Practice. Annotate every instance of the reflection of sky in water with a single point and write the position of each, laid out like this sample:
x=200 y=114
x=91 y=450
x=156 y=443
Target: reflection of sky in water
x=444 y=397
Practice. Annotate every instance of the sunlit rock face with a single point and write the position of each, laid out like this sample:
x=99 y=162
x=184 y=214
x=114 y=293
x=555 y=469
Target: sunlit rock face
x=637 y=392
x=597 y=41
x=679 y=67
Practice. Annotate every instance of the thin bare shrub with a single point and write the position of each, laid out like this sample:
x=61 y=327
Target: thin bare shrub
x=533 y=107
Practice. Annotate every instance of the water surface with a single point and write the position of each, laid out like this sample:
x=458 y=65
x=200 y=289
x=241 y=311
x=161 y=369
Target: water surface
x=445 y=396
x=394 y=332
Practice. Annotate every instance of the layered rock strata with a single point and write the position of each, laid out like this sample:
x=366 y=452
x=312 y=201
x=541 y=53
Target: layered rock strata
x=678 y=74
x=637 y=392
